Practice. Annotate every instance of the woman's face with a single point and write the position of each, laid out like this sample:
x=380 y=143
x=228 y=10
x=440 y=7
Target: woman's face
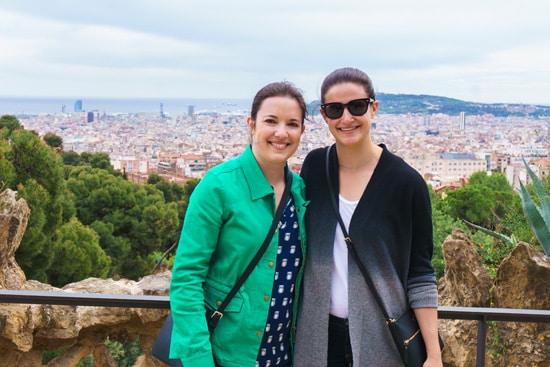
x=349 y=129
x=277 y=130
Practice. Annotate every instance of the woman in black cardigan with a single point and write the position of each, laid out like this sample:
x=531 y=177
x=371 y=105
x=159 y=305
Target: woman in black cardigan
x=386 y=208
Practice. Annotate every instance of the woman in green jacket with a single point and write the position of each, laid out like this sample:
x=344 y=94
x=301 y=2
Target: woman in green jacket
x=226 y=222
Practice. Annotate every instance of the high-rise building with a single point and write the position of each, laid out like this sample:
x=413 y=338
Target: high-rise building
x=462 y=121
x=426 y=120
x=78 y=105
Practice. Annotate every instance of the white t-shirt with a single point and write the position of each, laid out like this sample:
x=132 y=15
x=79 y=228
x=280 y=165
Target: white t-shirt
x=339 y=286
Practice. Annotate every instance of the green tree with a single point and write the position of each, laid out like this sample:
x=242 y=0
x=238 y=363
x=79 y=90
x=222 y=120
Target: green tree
x=504 y=195
x=54 y=141
x=10 y=123
x=39 y=180
x=7 y=171
x=71 y=158
x=132 y=220
x=78 y=254
x=473 y=203
x=35 y=254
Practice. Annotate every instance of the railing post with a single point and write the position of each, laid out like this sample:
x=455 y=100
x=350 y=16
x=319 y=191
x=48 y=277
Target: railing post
x=481 y=339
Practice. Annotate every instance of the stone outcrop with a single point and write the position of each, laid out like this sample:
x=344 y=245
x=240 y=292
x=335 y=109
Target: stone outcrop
x=14 y=216
x=466 y=283
x=26 y=330
x=522 y=282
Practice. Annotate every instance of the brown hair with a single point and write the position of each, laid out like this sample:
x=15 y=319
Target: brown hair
x=278 y=89
x=347 y=75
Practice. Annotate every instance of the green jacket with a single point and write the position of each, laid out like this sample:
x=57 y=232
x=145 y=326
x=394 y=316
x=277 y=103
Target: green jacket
x=227 y=219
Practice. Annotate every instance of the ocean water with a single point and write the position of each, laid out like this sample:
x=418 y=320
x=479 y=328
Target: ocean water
x=172 y=106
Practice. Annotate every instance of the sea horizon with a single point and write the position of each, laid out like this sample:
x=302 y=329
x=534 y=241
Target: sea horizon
x=173 y=106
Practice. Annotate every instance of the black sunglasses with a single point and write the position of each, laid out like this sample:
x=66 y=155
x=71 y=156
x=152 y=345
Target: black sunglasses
x=357 y=107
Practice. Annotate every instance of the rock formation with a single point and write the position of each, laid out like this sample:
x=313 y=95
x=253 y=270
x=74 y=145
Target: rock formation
x=466 y=283
x=522 y=282
x=14 y=216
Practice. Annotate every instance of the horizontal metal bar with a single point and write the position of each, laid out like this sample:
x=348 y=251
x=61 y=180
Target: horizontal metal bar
x=163 y=302
x=84 y=299
x=493 y=314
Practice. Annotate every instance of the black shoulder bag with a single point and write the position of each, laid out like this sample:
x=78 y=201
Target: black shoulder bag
x=161 y=346
x=404 y=329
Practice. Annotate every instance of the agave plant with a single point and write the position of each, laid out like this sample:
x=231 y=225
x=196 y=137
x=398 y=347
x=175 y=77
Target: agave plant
x=538 y=216
x=509 y=240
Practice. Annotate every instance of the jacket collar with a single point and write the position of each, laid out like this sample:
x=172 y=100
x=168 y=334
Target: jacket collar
x=258 y=185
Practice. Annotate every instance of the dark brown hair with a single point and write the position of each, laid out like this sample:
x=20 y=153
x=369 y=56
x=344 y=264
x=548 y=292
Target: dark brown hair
x=347 y=75
x=278 y=89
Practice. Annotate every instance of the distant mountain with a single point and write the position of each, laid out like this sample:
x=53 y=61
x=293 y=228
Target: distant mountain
x=425 y=104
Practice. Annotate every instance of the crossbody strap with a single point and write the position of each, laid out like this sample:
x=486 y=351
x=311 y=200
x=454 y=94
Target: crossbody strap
x=349 y=242
x=217 y=315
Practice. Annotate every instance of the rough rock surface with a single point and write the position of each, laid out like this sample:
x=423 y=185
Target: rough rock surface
x=522 y=282
x=466 y=283
x=14 y=216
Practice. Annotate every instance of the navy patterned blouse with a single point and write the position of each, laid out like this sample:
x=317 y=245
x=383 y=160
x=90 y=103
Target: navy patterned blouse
x=275 y=348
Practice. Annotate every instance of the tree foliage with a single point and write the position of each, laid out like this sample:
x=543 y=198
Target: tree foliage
x=86 y=219
x=71 y=158
x=38 y=178
x=485 y=200
x=10 y=123
x=54 y=141
x=132 y=220
x=78 y=254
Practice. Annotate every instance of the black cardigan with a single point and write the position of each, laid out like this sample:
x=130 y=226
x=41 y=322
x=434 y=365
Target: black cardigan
x=392 y=231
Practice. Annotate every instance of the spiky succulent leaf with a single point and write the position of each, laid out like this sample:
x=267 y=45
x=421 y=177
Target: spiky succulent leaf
x=508 y=240
x=541 y=194
x=535 y=219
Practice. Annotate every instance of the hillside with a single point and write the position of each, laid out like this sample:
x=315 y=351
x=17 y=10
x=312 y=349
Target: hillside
x=409 y=103
x=426 y=104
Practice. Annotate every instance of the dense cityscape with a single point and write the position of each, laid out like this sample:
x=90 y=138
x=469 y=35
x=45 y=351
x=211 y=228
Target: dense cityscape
x=446 y=149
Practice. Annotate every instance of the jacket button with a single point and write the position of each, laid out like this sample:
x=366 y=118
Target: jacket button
x=266 y=298
x=218 y=303
x=259 y=333
x=271 y=263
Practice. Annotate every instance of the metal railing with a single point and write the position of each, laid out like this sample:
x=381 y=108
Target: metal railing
x=480 y=314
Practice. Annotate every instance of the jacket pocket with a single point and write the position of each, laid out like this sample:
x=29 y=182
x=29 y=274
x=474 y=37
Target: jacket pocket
x=214 y=294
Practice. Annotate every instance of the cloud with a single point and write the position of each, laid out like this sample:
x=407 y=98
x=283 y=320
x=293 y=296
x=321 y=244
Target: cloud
x=125 y=48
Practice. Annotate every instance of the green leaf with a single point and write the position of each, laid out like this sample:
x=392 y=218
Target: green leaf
x=508 y=240
x=541 y=194
x=535 y=219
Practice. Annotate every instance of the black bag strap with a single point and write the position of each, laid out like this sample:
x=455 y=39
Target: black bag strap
x=218 y=314
x=349 y=242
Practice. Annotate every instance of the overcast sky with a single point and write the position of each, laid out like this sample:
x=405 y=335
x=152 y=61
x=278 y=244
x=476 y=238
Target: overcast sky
x=474 y=50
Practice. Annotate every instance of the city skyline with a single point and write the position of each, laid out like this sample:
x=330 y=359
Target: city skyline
x=490 y=52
